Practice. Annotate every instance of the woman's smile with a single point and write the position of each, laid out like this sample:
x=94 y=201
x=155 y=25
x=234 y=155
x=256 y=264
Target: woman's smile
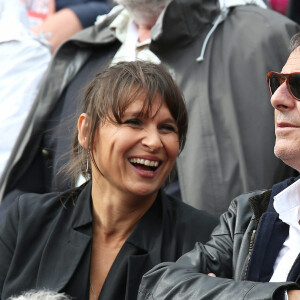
x=148 y=145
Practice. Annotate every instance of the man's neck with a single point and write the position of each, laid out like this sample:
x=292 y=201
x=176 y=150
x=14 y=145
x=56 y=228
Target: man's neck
x=144 y=33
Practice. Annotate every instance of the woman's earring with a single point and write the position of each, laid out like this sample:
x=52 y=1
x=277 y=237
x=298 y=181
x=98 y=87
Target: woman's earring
x=87 y=162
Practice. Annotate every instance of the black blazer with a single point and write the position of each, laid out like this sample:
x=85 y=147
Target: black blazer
x=45 y=242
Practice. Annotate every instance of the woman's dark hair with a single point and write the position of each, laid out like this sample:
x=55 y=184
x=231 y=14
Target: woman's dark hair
x=113 y=90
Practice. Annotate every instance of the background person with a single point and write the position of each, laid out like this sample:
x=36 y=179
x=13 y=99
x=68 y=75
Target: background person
x=102 y=237
x=254 y=252
x=24 y=55
x=58 y=20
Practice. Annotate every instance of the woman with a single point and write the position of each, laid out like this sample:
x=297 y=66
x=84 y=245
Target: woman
x=96 y=241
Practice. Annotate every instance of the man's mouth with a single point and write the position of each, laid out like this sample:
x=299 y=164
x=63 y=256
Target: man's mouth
x=285 y=124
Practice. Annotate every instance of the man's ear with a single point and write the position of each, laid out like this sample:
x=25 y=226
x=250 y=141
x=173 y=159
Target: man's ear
x=83 y=130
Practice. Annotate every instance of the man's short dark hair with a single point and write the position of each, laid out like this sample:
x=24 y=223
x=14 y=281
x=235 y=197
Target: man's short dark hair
x=295 y=42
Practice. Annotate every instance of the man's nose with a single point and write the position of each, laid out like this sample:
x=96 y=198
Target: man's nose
x=152 y=140
x=282 y=99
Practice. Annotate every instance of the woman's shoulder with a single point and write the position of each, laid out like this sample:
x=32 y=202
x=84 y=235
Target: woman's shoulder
x=187 y=214
x=49 y=204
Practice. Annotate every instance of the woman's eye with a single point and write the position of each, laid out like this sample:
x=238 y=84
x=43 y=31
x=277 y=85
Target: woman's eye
x=135 y=122
x=169 y=128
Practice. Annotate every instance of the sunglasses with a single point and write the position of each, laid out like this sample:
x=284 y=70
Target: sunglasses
x=275 y=80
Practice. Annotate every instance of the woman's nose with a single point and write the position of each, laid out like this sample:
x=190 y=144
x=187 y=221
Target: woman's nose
x=152 y=140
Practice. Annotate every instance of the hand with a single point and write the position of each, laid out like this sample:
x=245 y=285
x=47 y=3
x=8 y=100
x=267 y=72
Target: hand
x=211 y=275
x=58 y=27
x=294 y=295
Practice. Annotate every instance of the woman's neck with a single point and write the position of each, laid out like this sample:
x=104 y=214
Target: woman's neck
x=115 y=215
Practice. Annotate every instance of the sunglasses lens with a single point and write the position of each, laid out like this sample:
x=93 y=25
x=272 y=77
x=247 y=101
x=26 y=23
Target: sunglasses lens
x=294 y=82
x=274 y=82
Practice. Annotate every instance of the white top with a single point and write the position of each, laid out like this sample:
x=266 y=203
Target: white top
x=24 y=59
x=287 y=205
x=131 y=49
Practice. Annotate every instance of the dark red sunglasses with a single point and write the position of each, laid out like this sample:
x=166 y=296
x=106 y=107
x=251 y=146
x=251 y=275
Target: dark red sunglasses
x=275 y=80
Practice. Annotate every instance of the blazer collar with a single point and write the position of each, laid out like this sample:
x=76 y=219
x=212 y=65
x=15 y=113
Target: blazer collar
x=149 y=225
x=263 y=202
x=82 y=214
x=147 y=239
x=69 y=240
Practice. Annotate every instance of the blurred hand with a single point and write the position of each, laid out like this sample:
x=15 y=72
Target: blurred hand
x=211 y=275
x=58 y=27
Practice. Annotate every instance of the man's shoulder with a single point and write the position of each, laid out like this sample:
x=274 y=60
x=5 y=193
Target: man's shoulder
x=244 y=200
x=250 y=205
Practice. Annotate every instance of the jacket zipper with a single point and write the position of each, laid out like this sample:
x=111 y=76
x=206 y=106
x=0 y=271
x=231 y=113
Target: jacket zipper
x=250 y=253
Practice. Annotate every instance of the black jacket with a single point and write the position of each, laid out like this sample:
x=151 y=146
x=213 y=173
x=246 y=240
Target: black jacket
x=45 y=242
x=228 y=254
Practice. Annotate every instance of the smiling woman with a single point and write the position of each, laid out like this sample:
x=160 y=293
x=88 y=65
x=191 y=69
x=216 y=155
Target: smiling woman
x=101 y=237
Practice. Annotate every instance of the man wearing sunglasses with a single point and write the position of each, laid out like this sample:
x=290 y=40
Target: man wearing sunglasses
x=254 y=252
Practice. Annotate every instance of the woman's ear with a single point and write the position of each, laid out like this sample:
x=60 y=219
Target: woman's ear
x=83 y=130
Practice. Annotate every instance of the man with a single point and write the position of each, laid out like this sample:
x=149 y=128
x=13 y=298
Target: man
x=254 y=251
x=218 y=52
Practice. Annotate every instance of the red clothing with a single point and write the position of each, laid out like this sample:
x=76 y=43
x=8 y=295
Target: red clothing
x=279 y=5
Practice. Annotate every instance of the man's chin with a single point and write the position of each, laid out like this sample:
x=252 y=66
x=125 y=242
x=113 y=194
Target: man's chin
x=289 y=154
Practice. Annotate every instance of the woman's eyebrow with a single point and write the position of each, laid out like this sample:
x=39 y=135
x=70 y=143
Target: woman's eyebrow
x=132 y=113
x=169 y=120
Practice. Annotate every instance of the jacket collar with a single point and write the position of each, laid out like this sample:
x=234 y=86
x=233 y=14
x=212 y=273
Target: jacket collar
x=263 y=202
x=259 y=204
x=271 y=233
x=182 y=21
x=147 y=238
x=70 y=235
x=82 y=211
x=149 y=225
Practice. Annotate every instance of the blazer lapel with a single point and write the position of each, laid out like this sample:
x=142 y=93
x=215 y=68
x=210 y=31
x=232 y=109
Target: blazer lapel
x=66 y=244
x=137 y=264
x=147 y=238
